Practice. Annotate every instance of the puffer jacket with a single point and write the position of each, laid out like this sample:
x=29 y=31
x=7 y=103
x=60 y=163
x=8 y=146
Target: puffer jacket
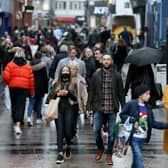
x=18 y=74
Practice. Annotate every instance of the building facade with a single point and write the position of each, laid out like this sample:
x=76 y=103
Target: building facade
x=157 y=19
x=68 y=11
x=6 y=8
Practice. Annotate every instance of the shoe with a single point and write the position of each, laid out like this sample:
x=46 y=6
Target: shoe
x=29 y=122
x=38 y=121
x=99 y=154
x=68 y=153
x=109 y=160
x=17 y=130
x=60 y=159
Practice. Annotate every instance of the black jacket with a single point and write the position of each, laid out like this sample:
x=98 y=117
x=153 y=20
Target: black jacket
x=95 y=98
x=131 y=110
x=40 y=77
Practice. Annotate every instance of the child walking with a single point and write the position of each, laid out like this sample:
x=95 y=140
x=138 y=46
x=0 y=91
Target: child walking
x=141 y=116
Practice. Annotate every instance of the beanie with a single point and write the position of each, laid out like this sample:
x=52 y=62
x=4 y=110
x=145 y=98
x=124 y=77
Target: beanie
x=140 y=89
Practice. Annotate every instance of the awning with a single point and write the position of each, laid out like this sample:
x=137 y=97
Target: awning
x=65 y=19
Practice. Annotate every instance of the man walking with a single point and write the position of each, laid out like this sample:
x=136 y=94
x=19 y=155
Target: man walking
x=105 y=95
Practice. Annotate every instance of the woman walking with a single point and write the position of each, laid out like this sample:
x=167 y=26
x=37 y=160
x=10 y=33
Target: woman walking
x=19 y=77
x=66 y=90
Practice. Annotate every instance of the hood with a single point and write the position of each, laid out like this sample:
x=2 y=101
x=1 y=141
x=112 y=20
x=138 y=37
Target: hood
x=20 y=61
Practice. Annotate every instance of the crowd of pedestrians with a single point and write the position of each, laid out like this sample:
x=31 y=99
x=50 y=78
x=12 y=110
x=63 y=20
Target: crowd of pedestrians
x=83 y=68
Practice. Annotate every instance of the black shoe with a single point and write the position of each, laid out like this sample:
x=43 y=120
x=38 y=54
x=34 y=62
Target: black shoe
x=68 y=153
x=60 y=159
x=29 y=124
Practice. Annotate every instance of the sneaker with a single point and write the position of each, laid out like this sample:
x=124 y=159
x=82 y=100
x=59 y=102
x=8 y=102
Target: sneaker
x=38 y=121
x=109 y=160
x=68 y=153
x=60 y=159
x=99 y=154
x=29 y=122
x=17 y=130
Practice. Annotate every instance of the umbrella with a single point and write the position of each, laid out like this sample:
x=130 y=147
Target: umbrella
x=144 y=56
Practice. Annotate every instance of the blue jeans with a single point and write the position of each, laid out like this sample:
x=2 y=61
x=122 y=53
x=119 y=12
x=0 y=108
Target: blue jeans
x=136 y=147
x=98 y=119
x=36 y=104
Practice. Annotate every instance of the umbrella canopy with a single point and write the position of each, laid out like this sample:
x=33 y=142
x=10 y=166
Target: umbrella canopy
x=144 y=56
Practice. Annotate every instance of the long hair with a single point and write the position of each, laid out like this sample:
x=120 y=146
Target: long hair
x=58 y=83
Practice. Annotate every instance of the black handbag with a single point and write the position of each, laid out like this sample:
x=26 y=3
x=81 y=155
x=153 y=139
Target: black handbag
x=158 y=91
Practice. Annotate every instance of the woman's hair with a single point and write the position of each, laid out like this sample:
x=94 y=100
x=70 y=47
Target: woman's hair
x=58 y=83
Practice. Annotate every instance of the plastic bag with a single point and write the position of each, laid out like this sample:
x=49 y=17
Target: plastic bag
x=121 y=140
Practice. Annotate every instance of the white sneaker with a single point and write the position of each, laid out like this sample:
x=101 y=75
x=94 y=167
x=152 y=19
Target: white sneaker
x=38 y=121
x=18 y=130
x=29 y=122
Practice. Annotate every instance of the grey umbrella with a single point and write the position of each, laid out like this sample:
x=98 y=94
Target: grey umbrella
x=144 y=56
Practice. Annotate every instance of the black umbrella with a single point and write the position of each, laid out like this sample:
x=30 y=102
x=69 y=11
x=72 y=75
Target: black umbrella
x=144 y=56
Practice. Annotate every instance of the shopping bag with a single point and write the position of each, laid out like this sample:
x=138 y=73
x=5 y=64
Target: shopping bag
x=52 y=110
x=121 y=142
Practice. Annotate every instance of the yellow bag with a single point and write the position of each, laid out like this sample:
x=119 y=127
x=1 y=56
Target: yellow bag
x=52 y=110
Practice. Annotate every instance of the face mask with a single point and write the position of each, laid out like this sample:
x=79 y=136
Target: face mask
x=65 y=76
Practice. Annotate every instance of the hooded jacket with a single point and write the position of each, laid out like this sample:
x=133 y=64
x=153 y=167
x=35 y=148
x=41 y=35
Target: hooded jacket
x=18 y=74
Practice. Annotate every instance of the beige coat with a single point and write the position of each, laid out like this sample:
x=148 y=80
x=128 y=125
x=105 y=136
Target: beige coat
x=82 y=94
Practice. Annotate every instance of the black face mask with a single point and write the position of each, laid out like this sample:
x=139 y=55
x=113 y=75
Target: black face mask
x=65 y=76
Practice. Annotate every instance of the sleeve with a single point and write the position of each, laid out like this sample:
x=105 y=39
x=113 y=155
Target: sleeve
x=158 y=124
x=6 y=74
x=121 y=93
x=126 y=113
x=84 y=96
x=92 y=90
x=31 y=82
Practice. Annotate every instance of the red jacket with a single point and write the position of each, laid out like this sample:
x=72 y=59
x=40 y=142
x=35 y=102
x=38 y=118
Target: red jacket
x=17 y=76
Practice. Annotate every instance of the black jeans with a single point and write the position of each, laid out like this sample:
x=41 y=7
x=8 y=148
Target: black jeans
x=64 y=124
x=75 y=118
x=18 y=100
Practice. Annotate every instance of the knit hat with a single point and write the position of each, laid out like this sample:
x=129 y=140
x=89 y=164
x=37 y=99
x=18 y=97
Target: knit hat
x=140 y=89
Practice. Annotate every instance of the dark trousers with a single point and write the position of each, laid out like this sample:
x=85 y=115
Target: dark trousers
x=18 y=101
x=64 y=125
x=75 y=118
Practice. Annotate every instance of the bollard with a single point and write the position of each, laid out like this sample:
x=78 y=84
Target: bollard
x=165 y=135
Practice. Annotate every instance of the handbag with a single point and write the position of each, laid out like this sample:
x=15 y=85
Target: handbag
x=158 y=91
x=52 y=110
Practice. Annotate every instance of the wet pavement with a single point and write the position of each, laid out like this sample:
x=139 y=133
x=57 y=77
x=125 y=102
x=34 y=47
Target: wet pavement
x=36 y=147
